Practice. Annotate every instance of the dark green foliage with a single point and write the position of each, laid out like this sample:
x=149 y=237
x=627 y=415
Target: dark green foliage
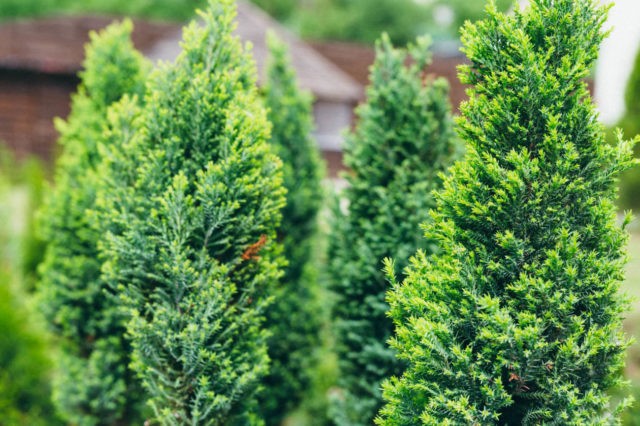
x=517 y=319
x=191 y=204
x=630 y=124
x=403 y=141
x=93 y=385
x=295 y=317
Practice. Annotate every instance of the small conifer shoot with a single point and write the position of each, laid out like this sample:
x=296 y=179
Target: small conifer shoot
x=403 y=141
x=191 y=206
x=93 y=385
x=517 y=318
x=295 y=317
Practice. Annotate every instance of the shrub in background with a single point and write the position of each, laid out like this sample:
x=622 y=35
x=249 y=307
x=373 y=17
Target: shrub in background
x=517 y=319
x=93 y=385
x=33 y=176
x=192 y=204
x=630 y=124
x=24 y=364
x=295 y=317
x=403 y=141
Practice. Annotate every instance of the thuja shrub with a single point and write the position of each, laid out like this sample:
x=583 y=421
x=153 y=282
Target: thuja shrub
x=403 y=141
x=517 y=319
x=191 y=206
x=93 y=385
x=295 y=317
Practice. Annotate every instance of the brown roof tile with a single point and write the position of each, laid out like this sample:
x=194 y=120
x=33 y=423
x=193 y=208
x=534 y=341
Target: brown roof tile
x=56 y=45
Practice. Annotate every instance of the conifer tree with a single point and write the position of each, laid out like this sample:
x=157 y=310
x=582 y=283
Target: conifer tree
x=191 y=206
x=403 y=141
x=93 y=385
x=294 y=319
x=517 y=319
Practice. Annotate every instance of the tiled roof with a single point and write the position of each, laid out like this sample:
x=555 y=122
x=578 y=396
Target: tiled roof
x=315 y=73
x=355 y=60
x=56 y=45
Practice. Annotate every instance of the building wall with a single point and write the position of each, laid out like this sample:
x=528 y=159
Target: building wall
x=28 y=104
x=331 y=121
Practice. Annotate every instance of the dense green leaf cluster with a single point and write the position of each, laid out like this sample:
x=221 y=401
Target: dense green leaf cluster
x=191 y=204
x=295 y=317
x=403 y=141
x=517 y=319
x=93 y=385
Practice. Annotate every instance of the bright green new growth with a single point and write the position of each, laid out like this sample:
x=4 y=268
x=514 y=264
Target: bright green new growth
x=294 y=318
x=192 y=206
x=517 y=319
x=403 y=141
x=93 y=385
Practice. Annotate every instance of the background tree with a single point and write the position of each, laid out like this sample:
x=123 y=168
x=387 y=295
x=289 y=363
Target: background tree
x=403 y=141
x=630 y=124
x=517 y=319
x=192 y=203
x=295 y=317
x=25 y=368
x=93 y=385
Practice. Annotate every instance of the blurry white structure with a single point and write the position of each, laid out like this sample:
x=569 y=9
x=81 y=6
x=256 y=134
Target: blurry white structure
x=617 y=56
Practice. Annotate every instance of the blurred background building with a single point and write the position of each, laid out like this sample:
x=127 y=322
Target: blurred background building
x=331 y=43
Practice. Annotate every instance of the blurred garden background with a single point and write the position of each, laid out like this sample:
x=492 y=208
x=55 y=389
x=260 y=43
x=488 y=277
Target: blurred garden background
x=331 y=42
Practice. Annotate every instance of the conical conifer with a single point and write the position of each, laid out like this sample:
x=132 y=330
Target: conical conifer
x=93 y=385
x=295 y=317
x=403 y=141
x=191 y=206
x=517 y=319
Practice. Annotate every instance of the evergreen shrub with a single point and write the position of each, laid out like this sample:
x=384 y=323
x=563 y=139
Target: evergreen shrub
x=190 y=205
x=295 y=318
x=93 y=385
x=517 y=318
x=403 y=141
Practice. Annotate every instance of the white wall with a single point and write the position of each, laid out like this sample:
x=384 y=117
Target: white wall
x=617 y=56
x=331 y=120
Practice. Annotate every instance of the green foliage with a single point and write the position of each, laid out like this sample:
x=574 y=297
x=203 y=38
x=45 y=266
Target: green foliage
x=403 y=141
x=517 y=319
x=32 y=246
x=176 y=10
x=93 y=385
x=295 y=317
x=462 y=11
x=630 y=124
x=279 y=9
x=191 y=204
x=24 y=365
x=359 y=20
